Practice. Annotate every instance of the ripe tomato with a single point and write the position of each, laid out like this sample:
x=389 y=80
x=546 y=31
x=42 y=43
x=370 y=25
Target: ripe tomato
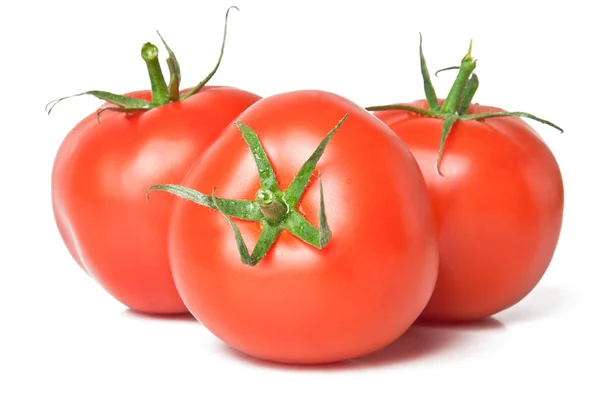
x=299 y=303
x=497 y=199
x=100 y=176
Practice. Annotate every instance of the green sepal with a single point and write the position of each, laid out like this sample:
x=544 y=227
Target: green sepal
x=239 y=240
x=174 y=71
x=116 y=99
x=488 y=115
x=199 y=86
x=184 y=193
x=272 y=221
x=267 y=237
x=117 y=109
x=265 y=170
x=298 y=225
x=324 y=231
x=400 y=107
x=469 y=91
x=446 y=69
x=446 y=128
x=430 y=94
x=457 y=101
x=242 y=209
x=297 y=187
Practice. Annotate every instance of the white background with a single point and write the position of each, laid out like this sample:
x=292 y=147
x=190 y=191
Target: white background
x=62 y=335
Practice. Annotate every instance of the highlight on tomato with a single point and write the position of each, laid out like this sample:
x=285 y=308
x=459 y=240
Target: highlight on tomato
x=292 y=244
x=107 y=162
x=496 y=191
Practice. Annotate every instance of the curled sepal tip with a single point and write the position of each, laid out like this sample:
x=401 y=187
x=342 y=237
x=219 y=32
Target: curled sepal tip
x=119 y=100
x=446 y=69
x=199 y=86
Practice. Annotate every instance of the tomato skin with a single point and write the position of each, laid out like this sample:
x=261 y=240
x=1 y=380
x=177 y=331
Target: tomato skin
x=99 y=182
x=300 y=304
x=498 y=208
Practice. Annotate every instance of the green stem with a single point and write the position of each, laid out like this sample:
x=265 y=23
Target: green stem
x=160 y=92
x=453 y=100
x=469 y=91
x=271 y=207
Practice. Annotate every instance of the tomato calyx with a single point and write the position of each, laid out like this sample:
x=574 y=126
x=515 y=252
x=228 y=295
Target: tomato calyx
x=274 y=209
x=457 y=101
x=162 y=93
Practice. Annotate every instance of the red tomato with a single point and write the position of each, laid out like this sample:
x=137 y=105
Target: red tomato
x=106 y=164
x=301 y=304
x=498 y=204
x=101 y=173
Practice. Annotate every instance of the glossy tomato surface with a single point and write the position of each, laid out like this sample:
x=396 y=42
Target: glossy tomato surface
x=301 y=304
x=498 y=207
x=99 y=181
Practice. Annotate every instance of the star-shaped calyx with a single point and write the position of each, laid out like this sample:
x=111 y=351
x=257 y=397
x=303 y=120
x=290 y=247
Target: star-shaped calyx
x=456 y=106
x=274 y=209
x=162 y=93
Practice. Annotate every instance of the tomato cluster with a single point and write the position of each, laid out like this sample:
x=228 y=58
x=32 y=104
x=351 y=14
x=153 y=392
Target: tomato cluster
x=302 y=227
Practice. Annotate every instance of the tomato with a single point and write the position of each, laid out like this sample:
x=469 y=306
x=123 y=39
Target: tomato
x=302 y=303
x=497 y=199
x=100 y=176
